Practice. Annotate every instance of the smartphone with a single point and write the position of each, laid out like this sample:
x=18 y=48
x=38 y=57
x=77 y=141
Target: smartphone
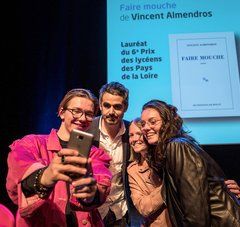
x=82 y=142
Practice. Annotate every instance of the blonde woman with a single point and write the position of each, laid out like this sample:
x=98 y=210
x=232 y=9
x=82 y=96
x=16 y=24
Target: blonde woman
x=145 y=185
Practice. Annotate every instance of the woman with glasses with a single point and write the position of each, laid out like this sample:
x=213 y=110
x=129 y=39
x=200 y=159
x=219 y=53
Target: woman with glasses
x=145 y=184
x=40 y=169
x=193 y=184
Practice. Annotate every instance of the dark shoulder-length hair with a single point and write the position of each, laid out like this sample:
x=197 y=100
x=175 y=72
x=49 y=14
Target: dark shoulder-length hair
x=172 y=127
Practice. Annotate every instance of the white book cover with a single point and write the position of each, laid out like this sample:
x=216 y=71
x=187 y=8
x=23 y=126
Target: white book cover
x=204 y=74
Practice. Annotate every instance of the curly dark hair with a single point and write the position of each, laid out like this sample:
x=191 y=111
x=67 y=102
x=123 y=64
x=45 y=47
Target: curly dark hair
x=171 y=128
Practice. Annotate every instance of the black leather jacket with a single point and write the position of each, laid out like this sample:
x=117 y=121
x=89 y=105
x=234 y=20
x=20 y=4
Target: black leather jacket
x=194 y=188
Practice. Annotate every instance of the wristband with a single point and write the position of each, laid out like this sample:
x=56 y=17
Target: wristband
x=41 y=190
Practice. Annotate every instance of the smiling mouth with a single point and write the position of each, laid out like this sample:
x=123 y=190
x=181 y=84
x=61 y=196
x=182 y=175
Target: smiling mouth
x=77 y=123
x=111 y=118
x=149 y=137
x=135 y=143
x=80 y=126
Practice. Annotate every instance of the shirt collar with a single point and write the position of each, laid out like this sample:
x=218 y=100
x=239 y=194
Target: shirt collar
x=143 y=168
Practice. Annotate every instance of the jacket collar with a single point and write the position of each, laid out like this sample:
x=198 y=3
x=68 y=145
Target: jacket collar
x=53 y=141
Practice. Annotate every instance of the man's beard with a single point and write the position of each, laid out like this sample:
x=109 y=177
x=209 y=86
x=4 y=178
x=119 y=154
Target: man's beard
x=111 y=119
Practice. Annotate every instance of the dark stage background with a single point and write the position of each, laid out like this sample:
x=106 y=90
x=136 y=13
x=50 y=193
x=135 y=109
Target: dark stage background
x=48 y=48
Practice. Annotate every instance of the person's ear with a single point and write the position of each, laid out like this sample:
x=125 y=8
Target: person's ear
x=100 y=106
x=125 y=107
x=61 y=113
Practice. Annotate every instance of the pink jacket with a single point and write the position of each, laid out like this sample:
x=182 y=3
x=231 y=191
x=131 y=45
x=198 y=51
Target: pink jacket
x=146 y=195
x=36 y=151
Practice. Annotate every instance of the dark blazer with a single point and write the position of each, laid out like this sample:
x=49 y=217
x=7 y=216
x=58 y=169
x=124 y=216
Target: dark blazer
x=134 y=216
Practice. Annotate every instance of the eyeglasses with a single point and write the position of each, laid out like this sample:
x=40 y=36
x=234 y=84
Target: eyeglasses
x=151 y=122
x=77 y=113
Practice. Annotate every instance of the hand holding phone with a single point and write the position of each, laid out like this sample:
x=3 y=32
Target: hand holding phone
x=82 y=142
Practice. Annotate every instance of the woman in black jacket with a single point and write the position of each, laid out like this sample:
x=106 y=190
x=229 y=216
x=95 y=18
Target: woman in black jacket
x=193 y=188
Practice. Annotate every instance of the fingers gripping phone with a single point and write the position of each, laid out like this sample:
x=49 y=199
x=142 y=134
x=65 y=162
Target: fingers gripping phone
x=82 y=142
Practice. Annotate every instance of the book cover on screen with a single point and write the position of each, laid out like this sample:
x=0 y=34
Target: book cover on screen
x=204 y=74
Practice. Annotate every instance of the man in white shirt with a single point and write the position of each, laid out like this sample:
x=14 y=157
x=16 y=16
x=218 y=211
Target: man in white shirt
x=111 y=133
